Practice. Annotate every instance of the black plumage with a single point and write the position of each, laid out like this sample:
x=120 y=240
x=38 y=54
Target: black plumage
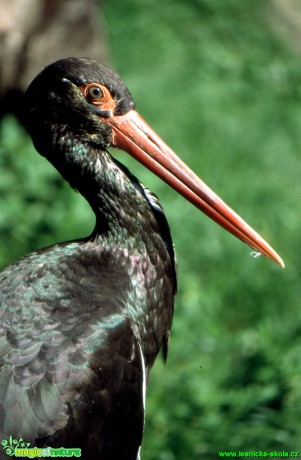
x=82 y=322
x=78 y=319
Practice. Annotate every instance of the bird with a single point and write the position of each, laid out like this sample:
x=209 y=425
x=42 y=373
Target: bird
x=83 y=321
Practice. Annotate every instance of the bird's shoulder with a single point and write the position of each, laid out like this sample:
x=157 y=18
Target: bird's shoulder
x=60 y=275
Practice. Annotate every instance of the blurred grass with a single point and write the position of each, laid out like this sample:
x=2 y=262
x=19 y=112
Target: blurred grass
x=223 y=89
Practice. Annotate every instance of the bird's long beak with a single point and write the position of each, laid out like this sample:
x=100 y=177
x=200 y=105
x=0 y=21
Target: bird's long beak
x=132 y=134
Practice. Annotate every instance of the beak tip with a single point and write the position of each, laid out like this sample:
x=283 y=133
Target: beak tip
x=278 y=259
x=281 y=263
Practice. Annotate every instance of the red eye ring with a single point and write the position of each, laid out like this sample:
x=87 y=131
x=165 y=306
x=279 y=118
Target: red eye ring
x=98 y=95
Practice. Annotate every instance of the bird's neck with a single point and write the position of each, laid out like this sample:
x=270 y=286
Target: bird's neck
x=131 y=225
x=125 y=212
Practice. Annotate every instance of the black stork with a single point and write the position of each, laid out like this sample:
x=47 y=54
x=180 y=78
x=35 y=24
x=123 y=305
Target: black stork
x=83 y=321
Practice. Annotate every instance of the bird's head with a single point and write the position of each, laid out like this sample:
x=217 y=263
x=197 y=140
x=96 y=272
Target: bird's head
x=69 y=99
x=79 y=101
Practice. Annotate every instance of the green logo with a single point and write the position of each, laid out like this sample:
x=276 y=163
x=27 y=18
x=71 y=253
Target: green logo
x=20 y=449
x=10 y=444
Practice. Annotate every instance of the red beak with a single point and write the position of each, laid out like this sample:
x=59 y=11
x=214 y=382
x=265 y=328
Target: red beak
x=132 y=134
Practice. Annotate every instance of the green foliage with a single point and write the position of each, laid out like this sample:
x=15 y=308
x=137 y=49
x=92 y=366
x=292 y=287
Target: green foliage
x=220 y=86
x=223 y=89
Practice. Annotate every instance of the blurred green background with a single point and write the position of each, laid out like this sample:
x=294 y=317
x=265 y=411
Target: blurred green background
x=222 y=85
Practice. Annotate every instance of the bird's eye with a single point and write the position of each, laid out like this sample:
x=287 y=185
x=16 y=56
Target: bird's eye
x=94 y=92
